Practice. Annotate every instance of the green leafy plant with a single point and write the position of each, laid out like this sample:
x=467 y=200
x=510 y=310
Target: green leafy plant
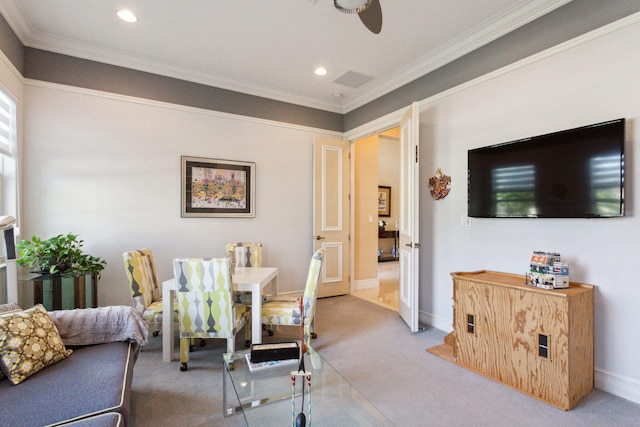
x=58 y=255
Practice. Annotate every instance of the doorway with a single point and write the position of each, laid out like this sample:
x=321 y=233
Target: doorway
x=387 y=292
x=377 y=169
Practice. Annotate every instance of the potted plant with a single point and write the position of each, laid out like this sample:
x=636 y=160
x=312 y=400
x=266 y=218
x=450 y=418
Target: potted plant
x=60 y=255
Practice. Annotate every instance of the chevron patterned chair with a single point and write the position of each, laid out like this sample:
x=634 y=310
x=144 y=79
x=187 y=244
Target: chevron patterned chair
x=206 y=307
x=146 y=290
x=245 y=254
x=286 y=311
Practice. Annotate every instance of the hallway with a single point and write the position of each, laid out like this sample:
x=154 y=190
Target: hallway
x=386 y=295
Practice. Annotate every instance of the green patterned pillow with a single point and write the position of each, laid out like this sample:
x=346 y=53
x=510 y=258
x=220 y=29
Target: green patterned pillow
x=29 y=342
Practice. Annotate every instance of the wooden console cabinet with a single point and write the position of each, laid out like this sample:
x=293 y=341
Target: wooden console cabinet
x=537 y=341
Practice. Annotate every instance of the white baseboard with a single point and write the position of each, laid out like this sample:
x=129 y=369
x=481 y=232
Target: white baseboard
x=621 y=386
x=435 y=321
x=618 y=385
x=359 y=285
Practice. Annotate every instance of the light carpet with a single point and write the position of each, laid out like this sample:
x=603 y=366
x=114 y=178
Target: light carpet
x=372 y=348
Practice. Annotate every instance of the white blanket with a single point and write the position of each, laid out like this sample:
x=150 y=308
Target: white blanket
x=85 y=326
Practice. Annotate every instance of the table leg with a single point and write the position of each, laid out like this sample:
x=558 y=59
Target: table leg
x=256 y=314
x=168 y=295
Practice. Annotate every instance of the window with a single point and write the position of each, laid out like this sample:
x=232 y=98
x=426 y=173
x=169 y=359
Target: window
x=7 y=124
x=8 y=162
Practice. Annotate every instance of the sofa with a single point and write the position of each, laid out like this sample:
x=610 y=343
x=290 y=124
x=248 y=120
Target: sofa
x=85 y=379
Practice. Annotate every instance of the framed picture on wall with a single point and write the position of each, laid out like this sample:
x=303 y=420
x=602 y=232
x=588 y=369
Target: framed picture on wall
x=384 y=201
x=217 y=188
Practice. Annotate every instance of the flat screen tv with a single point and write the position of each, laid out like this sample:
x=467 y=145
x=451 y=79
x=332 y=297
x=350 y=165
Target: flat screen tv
x=575 y=173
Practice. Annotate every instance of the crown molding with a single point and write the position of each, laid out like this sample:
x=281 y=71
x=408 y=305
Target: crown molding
x=469 y=41
x=69 y=47
x=17 y=20
x=393 y=118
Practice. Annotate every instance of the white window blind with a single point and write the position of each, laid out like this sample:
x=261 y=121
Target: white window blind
x=7 y=123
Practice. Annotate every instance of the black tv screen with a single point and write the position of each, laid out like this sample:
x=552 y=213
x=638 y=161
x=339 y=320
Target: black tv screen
x=576 y=173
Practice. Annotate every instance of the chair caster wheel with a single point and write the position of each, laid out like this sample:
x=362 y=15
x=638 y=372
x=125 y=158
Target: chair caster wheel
x=247 y=343
x=183 y=367
x=270 y=332
x=202 y=343
x=190 y=348
x=314 y=335
x=156 y=333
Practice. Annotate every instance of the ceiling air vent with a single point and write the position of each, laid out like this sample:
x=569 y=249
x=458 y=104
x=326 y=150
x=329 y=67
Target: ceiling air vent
x=352 y=79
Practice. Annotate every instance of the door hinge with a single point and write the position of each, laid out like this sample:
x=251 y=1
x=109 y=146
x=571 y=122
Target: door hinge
x=416 y=154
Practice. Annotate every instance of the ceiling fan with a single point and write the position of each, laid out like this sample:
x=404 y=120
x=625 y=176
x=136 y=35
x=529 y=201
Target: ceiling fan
x=369 y=12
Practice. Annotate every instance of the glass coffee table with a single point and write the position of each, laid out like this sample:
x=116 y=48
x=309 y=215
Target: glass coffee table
x=263 y=397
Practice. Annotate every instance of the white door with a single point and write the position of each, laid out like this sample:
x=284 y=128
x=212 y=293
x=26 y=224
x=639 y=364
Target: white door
x=409 y=216
x=331 y=207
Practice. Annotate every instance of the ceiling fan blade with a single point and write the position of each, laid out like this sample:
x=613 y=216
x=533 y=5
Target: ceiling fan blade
x=371 y=17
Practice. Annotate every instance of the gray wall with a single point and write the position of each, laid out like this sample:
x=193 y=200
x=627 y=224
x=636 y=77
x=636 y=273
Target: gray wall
x=562 y=24
x=68 y=70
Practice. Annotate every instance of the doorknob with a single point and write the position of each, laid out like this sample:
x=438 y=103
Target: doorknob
x=319 y=237
x=413 y=245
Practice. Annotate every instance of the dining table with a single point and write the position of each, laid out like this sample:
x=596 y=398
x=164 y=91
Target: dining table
x=244 y=279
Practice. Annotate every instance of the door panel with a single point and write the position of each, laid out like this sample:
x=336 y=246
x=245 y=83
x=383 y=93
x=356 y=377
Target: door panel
x=331 y=182
x=409 y=217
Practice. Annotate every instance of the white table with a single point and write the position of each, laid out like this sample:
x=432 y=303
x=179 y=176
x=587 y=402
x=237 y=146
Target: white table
x=245 y=279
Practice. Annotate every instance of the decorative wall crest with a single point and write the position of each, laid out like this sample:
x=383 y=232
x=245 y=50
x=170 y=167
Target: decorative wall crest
x=440 y=185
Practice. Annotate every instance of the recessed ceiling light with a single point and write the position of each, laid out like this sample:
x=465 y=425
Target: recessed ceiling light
x=320 y=71
x=127 y=15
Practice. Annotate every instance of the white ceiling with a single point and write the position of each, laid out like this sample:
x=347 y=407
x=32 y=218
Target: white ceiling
x=271 y=47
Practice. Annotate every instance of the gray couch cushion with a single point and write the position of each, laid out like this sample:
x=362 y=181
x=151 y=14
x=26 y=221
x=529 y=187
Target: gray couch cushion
x=93 y=380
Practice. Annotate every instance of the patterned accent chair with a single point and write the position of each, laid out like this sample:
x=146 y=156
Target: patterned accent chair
x=245 y=254
x=205 y=304
x=286 y=311
x=146 y=290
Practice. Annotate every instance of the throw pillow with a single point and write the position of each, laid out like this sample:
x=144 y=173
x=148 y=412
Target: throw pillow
x=29 y=342
x=4 y=308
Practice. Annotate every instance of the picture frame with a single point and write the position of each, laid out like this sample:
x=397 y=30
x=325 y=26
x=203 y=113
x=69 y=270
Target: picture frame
x=384 y=200
x=213 y=188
